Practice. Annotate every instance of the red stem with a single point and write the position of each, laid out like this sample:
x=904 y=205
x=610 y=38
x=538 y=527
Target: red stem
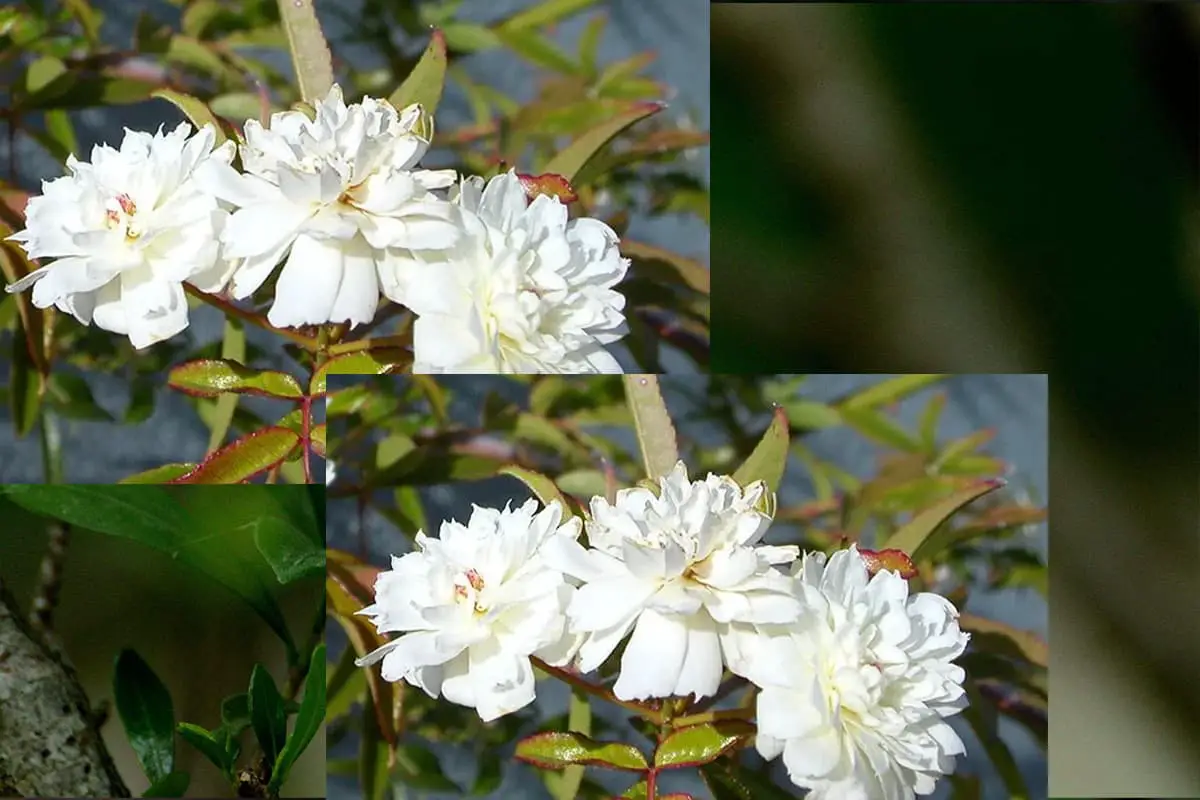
x=650 y=775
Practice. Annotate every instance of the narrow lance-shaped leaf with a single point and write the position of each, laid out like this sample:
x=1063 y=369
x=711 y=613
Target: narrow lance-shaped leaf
x=212 y=376
x=308 y=719
x=916 y=532
x=542 y=486
x=557 y=749
x=193 y=108
x=424 y=84
x=233 y=348
x=570 y=161
x=267 y=716
x=144 y=705
x=769 y=458
x=889 y=391
x=655 y=432
x=310 y=52
x=244 y=458
x=206 y=742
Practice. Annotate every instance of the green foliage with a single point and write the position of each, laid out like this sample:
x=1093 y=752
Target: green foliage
x=146 y=712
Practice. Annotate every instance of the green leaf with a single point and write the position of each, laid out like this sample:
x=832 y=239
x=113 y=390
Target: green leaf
x=164 y=474
x=382 y=361
x=700 y=744
x=72 y=397
x=541 y=486
x=537 y=49
x=912 y=536
x=929 y=421
x=982 y=718
x=655 y=432
x=316 y=435
x=235 y=712
x=424 y=84
x=997 y=637
x=144 y=705
x=565 y=785
x=809 y=415
x=308 y=719
x=193 y=108
x=207 y=744
x=61 y=132
x=233 y=348
x=571 y=160
x=879 y=428
x=418 y=767
x=267 y=716
x=728 y=780
x=174 y=784
x=210 y=377
x=889 y=391
x=666 y=266
x=244 y=458
x=545 y=13
x=310 y=53
x=25 y=386
x=769 y=458
x=46 y=78
x=155 y=516
x=558 y=749
x=468 y=37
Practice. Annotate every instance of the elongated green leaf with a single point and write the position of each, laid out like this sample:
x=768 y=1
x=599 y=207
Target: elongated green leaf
x=383 y=361
x=235 y=712
x=929 y=421
x=233 y=348
x=558 y=749
x=675 y=268
x=164 y=474
x=879 y=428
x=25 y=387
x=212 y=376
x=155 y=516
x=982 y=718
x=45 y=78
x=424 y=84
x=911 y=536
x=574 y=157
x=173 y=784
x=244 y=458
x=1010 y=641
x=310 y=53
x=207 y=743
x=807 y=415
x=267 y=716
x=308 y=719
x=193 y=108
x=144 y=705
x=700 y=744
x=655 y=432
x=417 y=766
x=542 y=487
x=889 y=391
x=769 y=458
x=545 y=13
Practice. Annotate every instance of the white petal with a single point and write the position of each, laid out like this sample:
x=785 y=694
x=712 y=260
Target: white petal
x=653 y=659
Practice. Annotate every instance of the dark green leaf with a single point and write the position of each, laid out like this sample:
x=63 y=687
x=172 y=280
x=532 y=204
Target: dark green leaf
x=206 y=743
x=308 y=719
x=267 y=716
x=171 y=785
x=144 y=705
x=418 y=767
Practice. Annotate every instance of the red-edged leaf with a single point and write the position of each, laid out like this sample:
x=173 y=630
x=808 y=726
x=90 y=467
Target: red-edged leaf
x=209 y=377
x=317 y=437
x=893 y=560
x=700 y=744
x=164 y=474
x=243 y=459
x=574 y=157
x=548 y=183
x=424 y=84
x=383 y=361
x=342 y=605
x=559 y=749
x=912 y=537
x=769 y=458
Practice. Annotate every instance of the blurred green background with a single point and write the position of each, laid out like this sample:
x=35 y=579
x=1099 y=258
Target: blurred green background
x=199 y=638
x=999 y=187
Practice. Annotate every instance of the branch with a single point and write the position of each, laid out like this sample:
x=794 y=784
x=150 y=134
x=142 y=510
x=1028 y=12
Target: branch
x=49 y=745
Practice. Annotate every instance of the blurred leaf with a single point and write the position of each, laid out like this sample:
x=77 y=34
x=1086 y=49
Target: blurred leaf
x=235 y=712
x=144 y=705
x=310 y=53
x=912 y=536
x=46 y=78
x=308 y=719
x=193 y=108
x=267 y=716
x=89 y=19
x=468 y=37
x=210 y=377
x=207 y=744
x=667 y=266
x=889 y=391
x=989 y=634
x=652 y=423
x=769 y=459
x=982 y=718
x=538 y=50
x=26 y=388
x=342 y=605
x=728 y=780
x=418 y=767
x=490 y=774
x=954 y=451
x=929 y=421
x=810 y=415
x=244 y=458
x=164 y=474
x=541 y=486
x=557 y=749
x=571 y=160
x=424 y=84
x=700 y=744
x=100 y=90
x=879 y=428
x=545 y=13
x=237 y=106
x=620 y=71
x=589 y=42
x=174 y=784
x=60 y=134
x=72 y=397
x=197 y=16
x=382 y=361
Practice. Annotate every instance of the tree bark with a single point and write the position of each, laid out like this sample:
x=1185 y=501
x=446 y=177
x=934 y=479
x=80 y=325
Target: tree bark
x=49 y=742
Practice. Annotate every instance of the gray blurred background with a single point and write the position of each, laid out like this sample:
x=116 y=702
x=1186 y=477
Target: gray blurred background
x=677 y=32
x=1015 y=405
x=118 y=593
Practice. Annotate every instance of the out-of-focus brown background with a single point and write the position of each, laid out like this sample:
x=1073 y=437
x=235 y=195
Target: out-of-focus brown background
x=200 y=639
x=1000 y=187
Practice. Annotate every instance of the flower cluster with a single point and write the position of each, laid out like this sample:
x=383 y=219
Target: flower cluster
x=499 y=282
x=856 y=676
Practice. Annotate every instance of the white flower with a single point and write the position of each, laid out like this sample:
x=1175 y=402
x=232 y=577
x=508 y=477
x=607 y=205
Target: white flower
x=331 y=194
x=125 y=231
x=525 y=291
x=683 y=571
x=475 y=604
x=855 y=693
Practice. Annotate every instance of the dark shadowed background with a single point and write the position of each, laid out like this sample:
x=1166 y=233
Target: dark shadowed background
x=999 y=187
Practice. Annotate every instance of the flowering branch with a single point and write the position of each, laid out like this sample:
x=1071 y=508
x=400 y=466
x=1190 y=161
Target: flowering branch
x=573 y=679
x=307 y=342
